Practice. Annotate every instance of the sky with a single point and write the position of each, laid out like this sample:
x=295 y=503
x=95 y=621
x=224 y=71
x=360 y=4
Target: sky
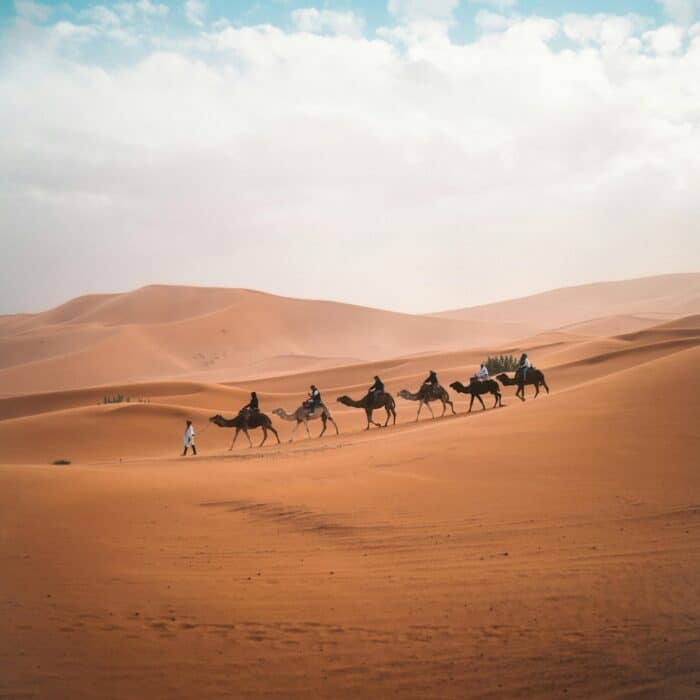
x=413 y=155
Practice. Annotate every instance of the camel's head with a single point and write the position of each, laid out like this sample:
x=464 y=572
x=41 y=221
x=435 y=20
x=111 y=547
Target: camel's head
x=344 y=400
x=277 y=411
x=404 y=393
x=457 y=386
x=502 y=377
x=216 y=419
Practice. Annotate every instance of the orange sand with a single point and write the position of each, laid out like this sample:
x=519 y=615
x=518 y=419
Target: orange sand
x=545 y=549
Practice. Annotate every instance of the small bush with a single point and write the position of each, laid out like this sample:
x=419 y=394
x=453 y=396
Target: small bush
x=501 y=363
x=117 y=398
x=60 y=462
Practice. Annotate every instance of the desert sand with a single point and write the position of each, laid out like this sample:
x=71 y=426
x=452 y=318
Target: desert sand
x=543 y=549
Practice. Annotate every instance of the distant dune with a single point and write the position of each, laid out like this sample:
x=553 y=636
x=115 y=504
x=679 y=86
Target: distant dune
x=162 y=333
x=600 y=309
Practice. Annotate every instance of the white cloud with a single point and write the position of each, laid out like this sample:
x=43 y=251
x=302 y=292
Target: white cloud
x=32 y=11
x=131 y=10
x=665 y=40
x=195 y=11
x=500 y=5
x=101 y=15
x=681 y=11
x=493 y=22
x=312 y=20
x=420 y=9
x=273 y=152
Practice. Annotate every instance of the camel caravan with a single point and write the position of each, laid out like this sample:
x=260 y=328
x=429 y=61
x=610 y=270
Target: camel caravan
x=313 y=408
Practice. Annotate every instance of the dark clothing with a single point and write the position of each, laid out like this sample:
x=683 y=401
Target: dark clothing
x=377 y=387
x=253 y=405
x=315 y=398
x=432 y=379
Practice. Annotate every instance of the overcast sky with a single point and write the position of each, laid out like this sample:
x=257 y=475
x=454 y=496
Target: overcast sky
x=415 y=155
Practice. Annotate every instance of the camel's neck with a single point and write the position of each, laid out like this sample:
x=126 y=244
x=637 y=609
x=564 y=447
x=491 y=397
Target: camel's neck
x=286 y=416
x=355 y=404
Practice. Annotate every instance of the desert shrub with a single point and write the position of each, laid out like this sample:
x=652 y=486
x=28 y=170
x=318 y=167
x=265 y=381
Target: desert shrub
x=501 y=363
x=61 y=461
x=117 y=398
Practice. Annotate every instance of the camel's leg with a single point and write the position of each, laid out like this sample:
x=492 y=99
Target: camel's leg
x=471 y=403
x=444 y=408
x=250 y=442
x=264 y=429
x=235 y=436
x=393 y=413
x=274 y=432
x=420 y=405
x=545 y=385
x=497 y=400
x=337 y=432
x=483 y=407
x=368 y=413
x=388 y=415
x=537 y=389
x=296 y=425
x=432 y=415
x=308 y=432
x=324 y=420
x=452 y=406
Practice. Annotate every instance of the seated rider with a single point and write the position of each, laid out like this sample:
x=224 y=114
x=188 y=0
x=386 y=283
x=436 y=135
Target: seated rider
x=314 y=400
x=253 y=405
x=430 y=381
x=376 y=388
x=524 y=365
x=483 y=374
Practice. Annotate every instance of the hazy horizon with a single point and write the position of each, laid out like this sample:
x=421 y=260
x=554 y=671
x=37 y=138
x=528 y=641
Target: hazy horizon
x=344 y=301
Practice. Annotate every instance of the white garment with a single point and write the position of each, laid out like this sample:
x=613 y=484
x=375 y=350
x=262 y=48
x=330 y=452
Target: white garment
x=483 y=373
x=188 y=439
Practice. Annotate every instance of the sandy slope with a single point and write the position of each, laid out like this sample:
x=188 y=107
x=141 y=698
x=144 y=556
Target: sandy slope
x=602 y=309
x=217 y=335
x=211 y=335
x=546 y=549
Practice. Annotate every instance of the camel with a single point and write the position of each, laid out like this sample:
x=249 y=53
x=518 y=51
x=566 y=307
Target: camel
x=425 y=396
x=490 y=386
x=533 y=376
x=303 y=414
x=380 y=400
x=244 y=421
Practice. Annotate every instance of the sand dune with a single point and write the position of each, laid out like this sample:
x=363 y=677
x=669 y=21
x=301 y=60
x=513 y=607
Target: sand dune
x=217 y=335
x=652 y=299
x=546 y=549
x=210 y=335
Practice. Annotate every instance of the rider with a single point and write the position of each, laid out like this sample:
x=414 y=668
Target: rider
x=431 y=379
x=524 y=365
x=314 y=400
x=483 y=374
x=253 y=405
x=377 y=387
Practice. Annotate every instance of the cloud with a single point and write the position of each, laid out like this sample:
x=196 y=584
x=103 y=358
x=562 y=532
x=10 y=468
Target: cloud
x=665 y=40
x=422 y=9
x=263 y=153
x=32 y=11
x=131 y=10
x=195 y=11
x=500 y=5
x=101 y=15
x=316 y=21
x=681 y=11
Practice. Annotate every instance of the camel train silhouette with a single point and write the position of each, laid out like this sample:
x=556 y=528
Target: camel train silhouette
x=249 y=420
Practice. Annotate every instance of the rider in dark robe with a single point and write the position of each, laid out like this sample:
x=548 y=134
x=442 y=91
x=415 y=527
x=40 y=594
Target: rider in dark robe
x=376 y=388
x=430 y=382
x=253 y=405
